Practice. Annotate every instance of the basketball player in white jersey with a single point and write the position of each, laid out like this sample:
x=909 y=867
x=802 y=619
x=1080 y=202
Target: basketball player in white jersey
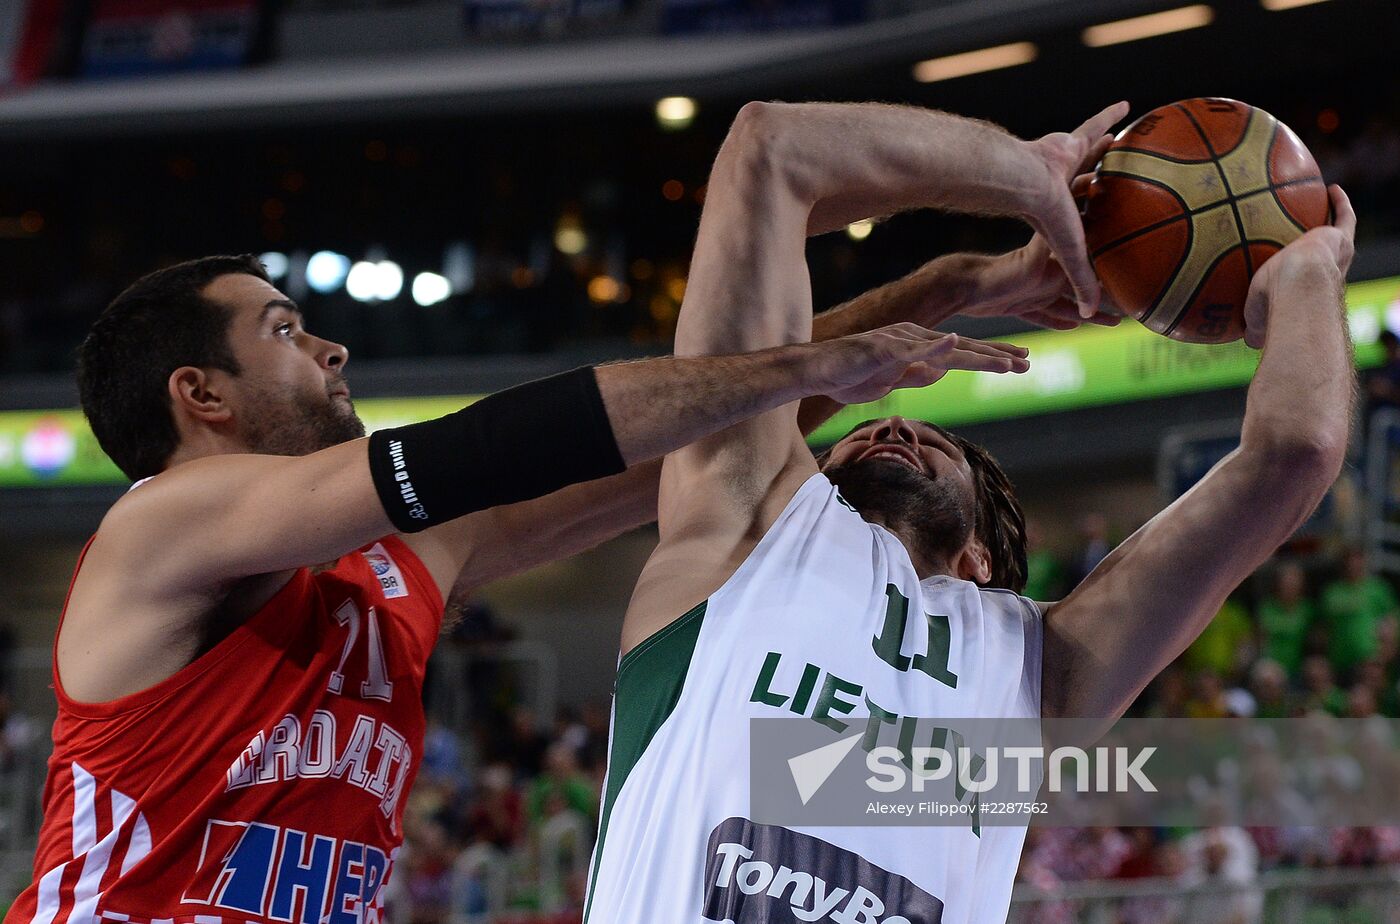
x=773 y=587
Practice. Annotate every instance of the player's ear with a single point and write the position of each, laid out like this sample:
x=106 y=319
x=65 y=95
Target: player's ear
x=974 y=563
x=195 y=393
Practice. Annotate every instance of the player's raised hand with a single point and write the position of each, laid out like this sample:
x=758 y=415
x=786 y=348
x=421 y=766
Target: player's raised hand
x=1030 y=284
x=867 y=366
x=1330 y=247
x=1051 y=209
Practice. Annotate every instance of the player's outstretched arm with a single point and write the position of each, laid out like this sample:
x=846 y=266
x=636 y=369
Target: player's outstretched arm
x=265 y=514
x=1026 y=283
x=174 y=551
x=1149 y=599
x=507 y=540
x=496 y=543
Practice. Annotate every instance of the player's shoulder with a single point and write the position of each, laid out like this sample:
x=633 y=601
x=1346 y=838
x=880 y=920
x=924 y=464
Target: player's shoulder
x=189 y=487
x=160 y=531
x=994 y=597
x=1012 y=598
x=144 y=507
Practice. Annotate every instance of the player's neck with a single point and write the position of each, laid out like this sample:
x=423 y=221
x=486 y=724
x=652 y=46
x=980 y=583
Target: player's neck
x=925 y=565
x=201 y=445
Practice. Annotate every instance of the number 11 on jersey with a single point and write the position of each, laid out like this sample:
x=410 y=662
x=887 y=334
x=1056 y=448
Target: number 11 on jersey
x=891 y=637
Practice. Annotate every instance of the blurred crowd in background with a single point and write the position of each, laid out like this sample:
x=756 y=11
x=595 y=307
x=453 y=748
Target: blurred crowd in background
x=1310 y=635
x=533 y=243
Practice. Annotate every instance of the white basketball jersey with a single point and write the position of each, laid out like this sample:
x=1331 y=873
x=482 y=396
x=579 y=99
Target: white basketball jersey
x=815 y=591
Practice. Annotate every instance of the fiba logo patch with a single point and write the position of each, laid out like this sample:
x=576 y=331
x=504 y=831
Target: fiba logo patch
x=756 y=873
x=383 y=565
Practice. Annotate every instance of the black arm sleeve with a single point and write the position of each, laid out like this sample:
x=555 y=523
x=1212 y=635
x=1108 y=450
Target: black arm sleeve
x=515 y=445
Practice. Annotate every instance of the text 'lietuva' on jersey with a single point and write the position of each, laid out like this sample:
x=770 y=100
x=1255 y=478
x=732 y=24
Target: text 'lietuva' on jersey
x=266 y=781
x=807 y=612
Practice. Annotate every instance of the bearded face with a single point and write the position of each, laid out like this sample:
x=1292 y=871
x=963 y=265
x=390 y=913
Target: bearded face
x=282 y=424
x=946 y=498
x=934 y=514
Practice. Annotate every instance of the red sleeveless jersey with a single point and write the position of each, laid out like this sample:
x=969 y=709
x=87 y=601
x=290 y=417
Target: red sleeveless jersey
x=264 y=782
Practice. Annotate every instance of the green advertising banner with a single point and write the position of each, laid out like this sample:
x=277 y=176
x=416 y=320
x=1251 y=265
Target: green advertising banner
x=1095 y=366
x=1089 y=367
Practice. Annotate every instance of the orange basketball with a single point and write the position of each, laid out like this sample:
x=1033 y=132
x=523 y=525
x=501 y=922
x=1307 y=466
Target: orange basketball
x=1187 y=204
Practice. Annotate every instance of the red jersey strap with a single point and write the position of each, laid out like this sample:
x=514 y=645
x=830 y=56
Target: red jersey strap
x=418 y=572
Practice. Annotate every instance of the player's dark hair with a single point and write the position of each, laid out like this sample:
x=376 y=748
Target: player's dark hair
x=161 y=322
x=1001 y=525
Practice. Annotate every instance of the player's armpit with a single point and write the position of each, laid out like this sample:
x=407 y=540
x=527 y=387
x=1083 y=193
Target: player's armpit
x=494 y=544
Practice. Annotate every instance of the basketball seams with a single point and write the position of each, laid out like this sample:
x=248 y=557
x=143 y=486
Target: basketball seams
x=1300 y=181
x=1273 y=187
x=1176 y=271
x=1212 y=154
x=1128 y=149
x=1273 y=192
x=1132 y=236
x=1201 y=262
x=1243 y=132
x=1229 y=193
x=1286 y=214
x=1205 y=278
x=1185 y=213
x=1185 y=251
x=1196 y=184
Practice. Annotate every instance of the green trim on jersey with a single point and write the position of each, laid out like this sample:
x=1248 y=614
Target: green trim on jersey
x=650 y=679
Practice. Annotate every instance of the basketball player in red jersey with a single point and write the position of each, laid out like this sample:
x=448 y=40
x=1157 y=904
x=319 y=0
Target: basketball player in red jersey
x=237 y=728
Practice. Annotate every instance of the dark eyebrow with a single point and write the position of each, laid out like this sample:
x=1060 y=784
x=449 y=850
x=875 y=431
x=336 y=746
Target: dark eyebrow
x=285 y=303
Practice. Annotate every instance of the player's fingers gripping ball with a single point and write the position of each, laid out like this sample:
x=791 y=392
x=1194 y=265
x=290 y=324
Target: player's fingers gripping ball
x=1186 y=205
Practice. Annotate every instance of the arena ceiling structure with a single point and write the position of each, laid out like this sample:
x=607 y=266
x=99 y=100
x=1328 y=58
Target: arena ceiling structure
x=355 y=62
